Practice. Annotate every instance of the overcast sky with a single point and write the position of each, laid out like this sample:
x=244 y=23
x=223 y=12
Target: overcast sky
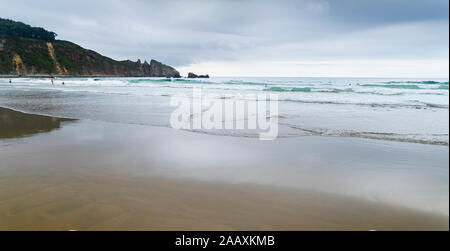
x=360 y=38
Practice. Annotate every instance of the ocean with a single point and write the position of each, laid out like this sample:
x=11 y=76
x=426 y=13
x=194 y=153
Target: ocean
x=407 y=110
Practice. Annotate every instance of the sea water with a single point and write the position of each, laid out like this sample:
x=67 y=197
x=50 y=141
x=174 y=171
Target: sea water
x=409 y=110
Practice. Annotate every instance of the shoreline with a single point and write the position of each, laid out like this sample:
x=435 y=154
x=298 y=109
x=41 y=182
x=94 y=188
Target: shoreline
x=349 y=135
x=78 y=76
x=67 y=185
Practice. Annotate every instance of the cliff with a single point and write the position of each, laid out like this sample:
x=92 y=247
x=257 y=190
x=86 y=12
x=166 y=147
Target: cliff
x=30 y=51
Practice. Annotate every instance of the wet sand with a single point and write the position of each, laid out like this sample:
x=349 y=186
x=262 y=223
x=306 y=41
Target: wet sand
x=83 y=182
x=15 y=125
x=121 y=203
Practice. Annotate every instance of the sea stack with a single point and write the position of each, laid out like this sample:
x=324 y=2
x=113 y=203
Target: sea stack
x=192 y=75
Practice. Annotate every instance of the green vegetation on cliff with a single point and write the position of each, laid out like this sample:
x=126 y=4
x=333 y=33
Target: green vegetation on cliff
x=30 y=51
x=19 y=29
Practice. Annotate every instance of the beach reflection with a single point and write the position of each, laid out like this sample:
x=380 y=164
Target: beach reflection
x=15 y=124
x=94 y=175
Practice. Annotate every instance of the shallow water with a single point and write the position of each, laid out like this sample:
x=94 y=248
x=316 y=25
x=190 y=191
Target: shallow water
x=410 y=110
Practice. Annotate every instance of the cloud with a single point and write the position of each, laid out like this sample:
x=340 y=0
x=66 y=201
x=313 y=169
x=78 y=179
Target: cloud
x=187 y=33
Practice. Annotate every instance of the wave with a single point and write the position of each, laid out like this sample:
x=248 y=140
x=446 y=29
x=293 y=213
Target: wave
x=410 y=138
x=281 y=89
x=336 y=90
x=350 y=90
x=387 y=105
x=428 y=82
x=431 y=105
x=307 y=89
x=414 y=87
x=194 y=81
x=147 y=80
x=239 y=82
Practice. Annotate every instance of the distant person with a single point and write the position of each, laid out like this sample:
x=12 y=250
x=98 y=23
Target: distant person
x=52 y=81
x=10 y=81
x=63 y=83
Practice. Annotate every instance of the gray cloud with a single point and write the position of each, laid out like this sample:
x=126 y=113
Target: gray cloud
x=183 y=32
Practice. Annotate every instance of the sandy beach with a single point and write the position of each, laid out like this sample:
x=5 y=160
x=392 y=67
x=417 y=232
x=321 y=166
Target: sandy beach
x=59 y=174
x=124 y=203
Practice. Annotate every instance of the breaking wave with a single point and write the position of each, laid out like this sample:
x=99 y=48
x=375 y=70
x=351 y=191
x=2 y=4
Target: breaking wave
x=414 y=87
x=428 y=82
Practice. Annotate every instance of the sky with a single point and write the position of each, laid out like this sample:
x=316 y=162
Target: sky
x=288 y=38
